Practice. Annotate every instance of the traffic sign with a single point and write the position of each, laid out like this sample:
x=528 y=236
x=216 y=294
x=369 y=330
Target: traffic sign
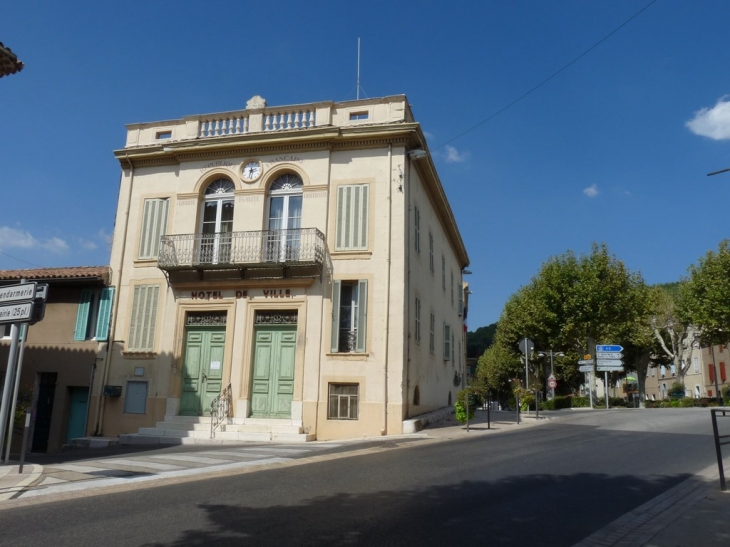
x=604 y=368
x=586 y=368
x=609 y=362
x=609 y=355
x=552 y=383
x=16 y=313
x=526 y=345
x=17 y=293
x=610 y=347
x=41 y=291
x=585 y=362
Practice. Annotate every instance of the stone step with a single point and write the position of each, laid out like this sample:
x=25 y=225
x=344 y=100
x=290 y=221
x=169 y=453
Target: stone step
x=261 y=428
x=183 y=426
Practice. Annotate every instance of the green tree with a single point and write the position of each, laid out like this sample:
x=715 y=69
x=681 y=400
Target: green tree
x=674 y=334
x=573 y=299
x=705 y=296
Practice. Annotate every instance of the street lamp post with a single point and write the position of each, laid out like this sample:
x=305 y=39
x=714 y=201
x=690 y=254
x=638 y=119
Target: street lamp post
x=552 y=355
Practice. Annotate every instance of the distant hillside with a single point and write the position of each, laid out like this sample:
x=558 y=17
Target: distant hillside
x=480 y=340
x=671 y=288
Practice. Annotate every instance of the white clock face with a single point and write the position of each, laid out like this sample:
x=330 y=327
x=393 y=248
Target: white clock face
x=252 y=170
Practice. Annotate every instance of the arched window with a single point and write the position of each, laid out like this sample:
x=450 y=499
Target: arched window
x=217 y=222
x=285 y=219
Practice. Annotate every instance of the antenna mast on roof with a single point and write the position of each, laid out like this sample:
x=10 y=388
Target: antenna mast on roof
x=358 y=69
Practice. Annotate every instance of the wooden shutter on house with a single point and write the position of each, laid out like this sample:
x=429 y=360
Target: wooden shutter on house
x=362 y=315
x=105 y=311
x=352 y=217
x=144 y=316
x=82 y=315
x=711 y=368
x=154 y=223
x=335 y=338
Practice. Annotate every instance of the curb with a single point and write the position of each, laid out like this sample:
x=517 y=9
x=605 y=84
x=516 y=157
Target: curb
x=11 y=491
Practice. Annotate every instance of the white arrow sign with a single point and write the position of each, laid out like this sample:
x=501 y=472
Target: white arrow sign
x=608 y=355
x=609 y=362
x=586 y=368
x=599 y=368
x=16 y=313
x=585 y=362
x=17 y=293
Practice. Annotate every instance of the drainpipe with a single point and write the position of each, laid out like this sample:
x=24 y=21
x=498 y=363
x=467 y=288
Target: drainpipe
x=384 y=430
x=106 y=364
x=322 y=323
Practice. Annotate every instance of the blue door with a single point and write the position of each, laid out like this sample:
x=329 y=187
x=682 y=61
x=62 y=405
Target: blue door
x=77 y=413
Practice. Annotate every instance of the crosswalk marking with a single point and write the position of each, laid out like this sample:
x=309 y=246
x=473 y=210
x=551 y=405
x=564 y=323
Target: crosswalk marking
x=76 y=467
x=145 y=464
x=189 y=458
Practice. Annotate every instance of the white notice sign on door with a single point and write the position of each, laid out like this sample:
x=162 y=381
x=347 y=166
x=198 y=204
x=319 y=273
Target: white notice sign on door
x=215 y=365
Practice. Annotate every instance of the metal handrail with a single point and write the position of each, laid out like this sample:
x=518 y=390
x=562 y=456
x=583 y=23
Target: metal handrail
x=221 y=408
x=719 y=443
x=260 y=248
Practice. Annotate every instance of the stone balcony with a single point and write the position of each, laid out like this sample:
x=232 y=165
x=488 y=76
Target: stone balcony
x=263 y=254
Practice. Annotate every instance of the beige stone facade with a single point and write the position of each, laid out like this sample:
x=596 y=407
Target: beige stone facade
x=306 y=256
x=699 y=381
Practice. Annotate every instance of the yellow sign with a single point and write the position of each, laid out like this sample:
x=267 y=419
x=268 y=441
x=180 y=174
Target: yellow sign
x=586 y=356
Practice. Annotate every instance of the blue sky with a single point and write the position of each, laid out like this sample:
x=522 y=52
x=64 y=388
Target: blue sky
x=614 y=149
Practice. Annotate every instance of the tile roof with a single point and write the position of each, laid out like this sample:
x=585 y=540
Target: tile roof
x=9 y=63
x=73 y=272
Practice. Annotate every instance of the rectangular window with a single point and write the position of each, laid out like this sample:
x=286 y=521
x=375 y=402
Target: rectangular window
x=430 y=252
x=5 y=331
x=460 y=292
x=349 y=316
x=447 y=342
x=417 y=228
x=358 y=115
x=154 y=226
x=673 y=369
x=135 y=400
x=352 y=217
x=144 y=317
x=452 y=287
x=343 y=402
x=696 y=363
x=653 y=372
x=162 y=135
x=443 y=273
x=432 y=334
x=92 y=317
x=663 y=370
x=417 y=334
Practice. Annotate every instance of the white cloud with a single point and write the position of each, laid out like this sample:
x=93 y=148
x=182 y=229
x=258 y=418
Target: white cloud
x=88 y=245
x=104 y=236
x=22 y=239
x=712 y=122
x=591 y=191
x=454 y=156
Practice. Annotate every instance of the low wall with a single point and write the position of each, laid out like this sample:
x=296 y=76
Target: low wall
x=417 y=423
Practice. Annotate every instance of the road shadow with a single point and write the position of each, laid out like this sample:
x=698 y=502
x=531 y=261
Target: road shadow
x=466 y=513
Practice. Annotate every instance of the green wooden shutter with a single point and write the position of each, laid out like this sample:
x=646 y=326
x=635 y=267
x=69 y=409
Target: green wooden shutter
x=362 y=315
x=82 y=316
x=105 y=310
x=351 y=231
x=154 y=223
x=335 y=337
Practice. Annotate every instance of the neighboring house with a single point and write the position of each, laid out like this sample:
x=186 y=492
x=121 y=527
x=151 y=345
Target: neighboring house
x=61 y=352
x=300 y=264
x=699 y=381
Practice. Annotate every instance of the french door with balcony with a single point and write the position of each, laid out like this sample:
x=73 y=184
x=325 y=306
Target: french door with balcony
x=217 y=223
x=283 y=239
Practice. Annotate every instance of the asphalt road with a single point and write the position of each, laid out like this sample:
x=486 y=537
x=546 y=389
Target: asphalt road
x=553 y=484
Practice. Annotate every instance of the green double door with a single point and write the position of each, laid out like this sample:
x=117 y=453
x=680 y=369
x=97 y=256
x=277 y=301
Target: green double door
x=273 y=372
x=203 y=369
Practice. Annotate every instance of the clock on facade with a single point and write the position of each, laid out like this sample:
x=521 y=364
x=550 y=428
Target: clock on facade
x=251 y=170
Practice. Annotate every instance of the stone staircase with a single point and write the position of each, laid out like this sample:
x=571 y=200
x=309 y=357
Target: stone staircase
x=196 y=430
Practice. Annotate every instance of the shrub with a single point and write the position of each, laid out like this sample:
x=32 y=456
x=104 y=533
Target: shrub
x=460 y=406
x=580 y=402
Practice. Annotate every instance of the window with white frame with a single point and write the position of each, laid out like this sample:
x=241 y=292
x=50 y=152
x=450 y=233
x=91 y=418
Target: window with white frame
x=696 y=364
x=135 y=399
x=417 y=229
x=697 y=391
x=417 y=329
x=351 y=232
x=673 y=369
x=451 y=287
x=5 y=331
x=143 y=318
x=349 y=316
x=154 y=226
x=343 y=402
x=663 y=370
x=92 y=317
x=653 y=372
x=430 y=252
x=432 y=334
x=448 y=338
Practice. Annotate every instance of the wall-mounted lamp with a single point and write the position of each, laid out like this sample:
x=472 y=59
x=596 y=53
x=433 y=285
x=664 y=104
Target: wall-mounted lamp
x=417 y=154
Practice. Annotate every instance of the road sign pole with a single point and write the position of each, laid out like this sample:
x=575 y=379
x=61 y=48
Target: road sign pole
x=605 y=386
x=9 y=377
x=19 y=368
x=590 y=391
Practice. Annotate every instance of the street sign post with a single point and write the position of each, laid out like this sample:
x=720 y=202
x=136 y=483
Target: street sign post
x=609 y=362
x=585 y=362
x=599 y=368
x=609 y=347
x=586 y=368
x=552 y=382
x=609 y=355
x=17 y=293
x=16 y=313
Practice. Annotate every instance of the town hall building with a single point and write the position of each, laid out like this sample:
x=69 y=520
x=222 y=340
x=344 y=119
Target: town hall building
x=286 y=273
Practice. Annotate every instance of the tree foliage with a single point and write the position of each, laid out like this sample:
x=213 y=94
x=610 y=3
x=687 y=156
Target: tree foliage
x=705 y=296
x=674 y=334
x=571 y=300
x=479 y=340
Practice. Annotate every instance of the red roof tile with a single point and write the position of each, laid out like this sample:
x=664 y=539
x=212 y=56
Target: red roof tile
x=73 y=272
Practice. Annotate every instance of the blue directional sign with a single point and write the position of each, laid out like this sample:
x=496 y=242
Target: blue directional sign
x=613 y=348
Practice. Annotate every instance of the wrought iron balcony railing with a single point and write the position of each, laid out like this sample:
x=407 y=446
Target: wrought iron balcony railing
x=240 y=250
